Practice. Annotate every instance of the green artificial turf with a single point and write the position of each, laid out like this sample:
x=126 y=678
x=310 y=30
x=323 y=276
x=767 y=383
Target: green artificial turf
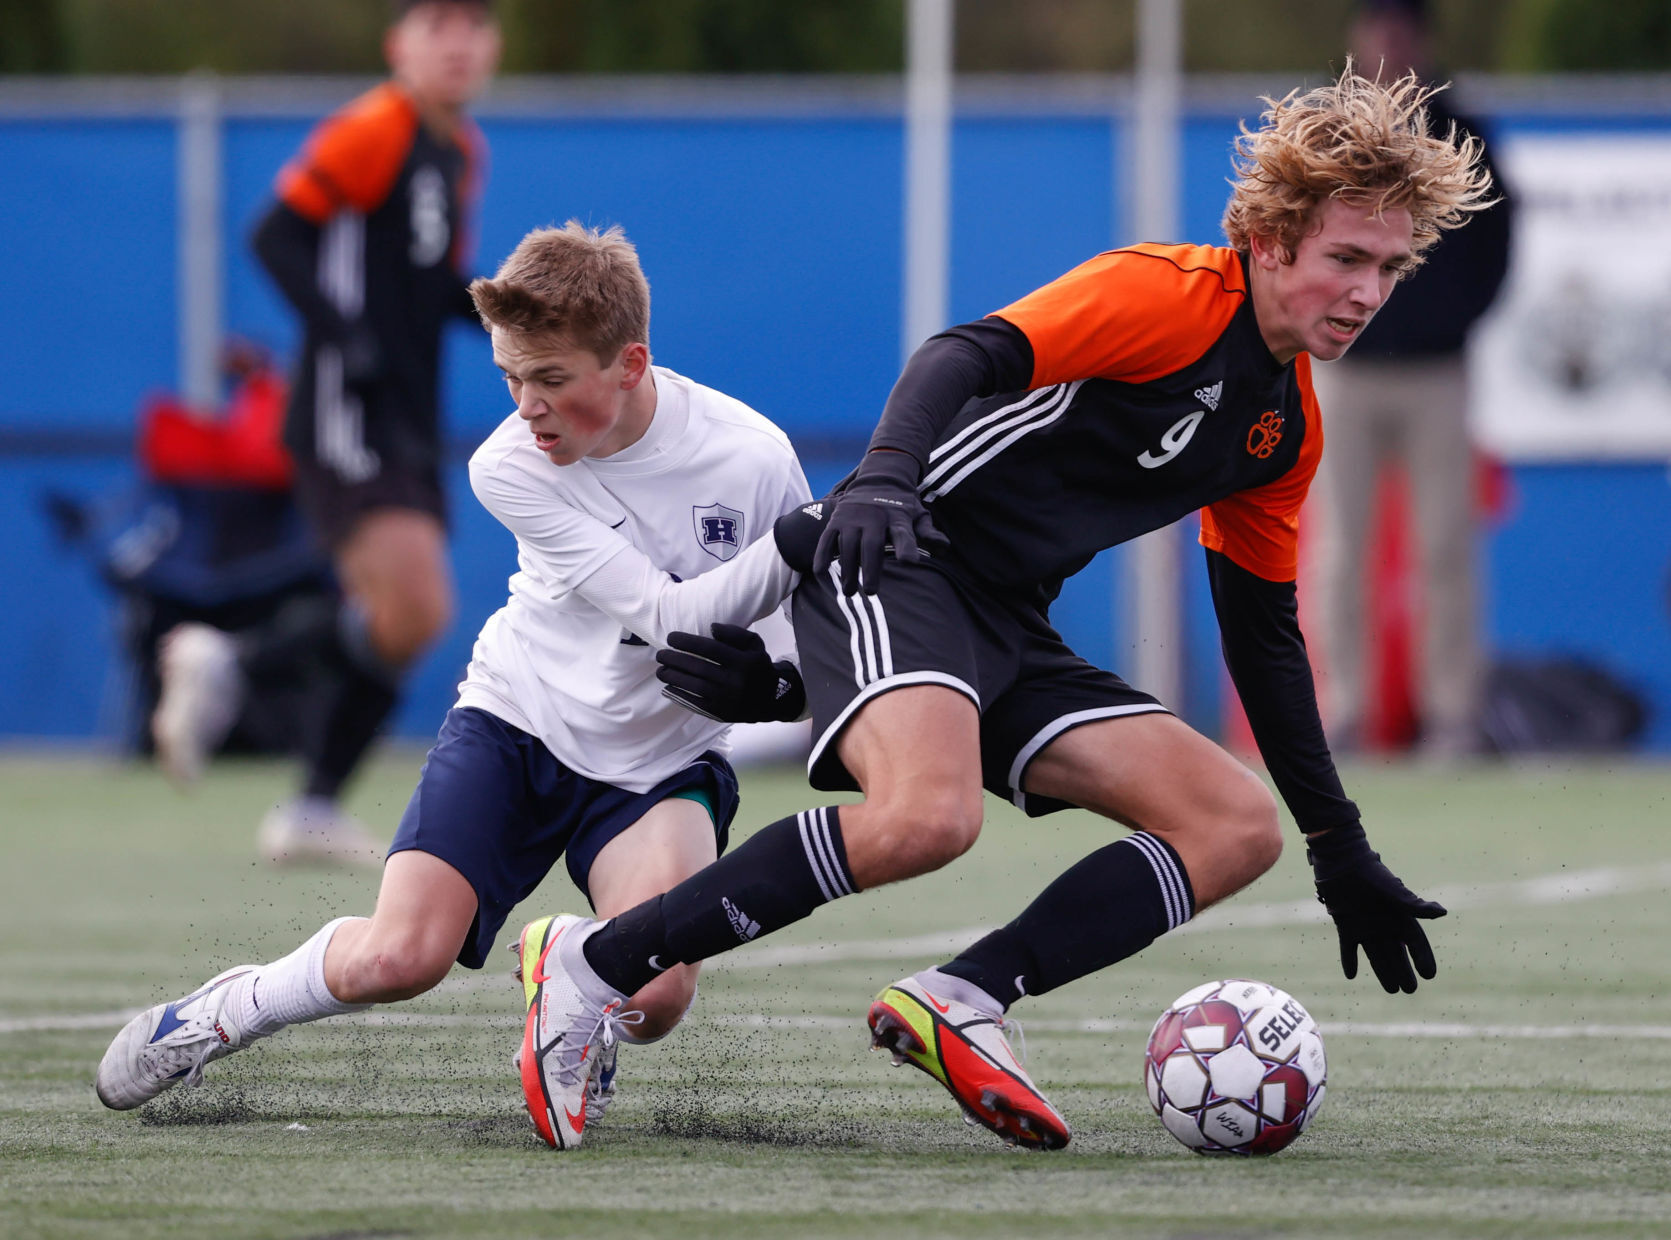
x=1524 y=1092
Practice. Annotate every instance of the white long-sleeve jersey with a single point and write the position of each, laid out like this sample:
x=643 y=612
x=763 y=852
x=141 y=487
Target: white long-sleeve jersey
x=672 y=533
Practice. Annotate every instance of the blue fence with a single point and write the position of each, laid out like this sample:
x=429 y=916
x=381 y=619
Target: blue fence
x=771 y=232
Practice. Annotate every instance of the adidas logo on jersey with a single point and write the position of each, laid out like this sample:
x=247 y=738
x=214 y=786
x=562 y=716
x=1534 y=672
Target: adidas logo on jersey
x=815 y=510
x=745 y=926
x=1209 y=396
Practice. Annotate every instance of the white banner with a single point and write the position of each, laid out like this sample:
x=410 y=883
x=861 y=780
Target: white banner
x=1574 y=362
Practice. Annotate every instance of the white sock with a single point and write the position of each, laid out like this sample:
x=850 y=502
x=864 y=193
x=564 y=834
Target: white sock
x=291 y=990
x=960 y=990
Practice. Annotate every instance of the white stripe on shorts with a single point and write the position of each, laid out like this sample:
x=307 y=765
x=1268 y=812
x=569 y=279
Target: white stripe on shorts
x=1061 y=724
x=867 y=628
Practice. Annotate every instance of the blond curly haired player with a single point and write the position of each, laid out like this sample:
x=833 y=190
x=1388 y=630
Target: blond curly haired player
x=1147 y=384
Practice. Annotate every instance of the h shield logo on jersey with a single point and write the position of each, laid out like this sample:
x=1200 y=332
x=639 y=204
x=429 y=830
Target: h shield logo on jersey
x=719 y=529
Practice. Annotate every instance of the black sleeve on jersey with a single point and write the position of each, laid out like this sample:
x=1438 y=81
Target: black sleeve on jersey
x=288 y=246
x=974 y=359
x=1259 y=626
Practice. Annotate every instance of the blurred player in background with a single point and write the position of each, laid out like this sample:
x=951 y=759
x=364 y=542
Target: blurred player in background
x=366 y=239
x=1401 y=397
x=1144 y=385
x=638 y=499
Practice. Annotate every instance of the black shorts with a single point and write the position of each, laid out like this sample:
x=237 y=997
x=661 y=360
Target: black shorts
x=925 y=627
x=493 y=803
x=334 y=505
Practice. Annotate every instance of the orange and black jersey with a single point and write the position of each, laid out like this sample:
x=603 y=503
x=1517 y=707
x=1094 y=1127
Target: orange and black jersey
x=1149 y=395
x=1130 y=392
x=366 y=238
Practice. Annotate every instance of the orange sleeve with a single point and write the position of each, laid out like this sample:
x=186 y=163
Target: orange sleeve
x=352 y=158
x=1259 y=529
x=1132 y=314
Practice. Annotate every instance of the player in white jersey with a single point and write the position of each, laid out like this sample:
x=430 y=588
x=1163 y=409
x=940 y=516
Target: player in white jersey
x=640 y=501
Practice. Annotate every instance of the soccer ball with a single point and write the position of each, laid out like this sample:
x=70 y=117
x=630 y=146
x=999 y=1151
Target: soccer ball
x=1235 y=1067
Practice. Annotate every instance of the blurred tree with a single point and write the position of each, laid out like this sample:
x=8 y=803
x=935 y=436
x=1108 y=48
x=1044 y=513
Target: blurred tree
x=1255 y=36
x=1573 y=35
x=817 y=36
x=696 y=36
x=32 y=37
x=1013 y=36
x=229 y=36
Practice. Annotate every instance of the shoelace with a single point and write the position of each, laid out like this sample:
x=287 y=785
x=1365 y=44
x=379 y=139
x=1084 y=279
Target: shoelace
x=609 y=1028
x=1010 y=1027
x=190 y=1048
x=611 y=1034
x=605 y=1034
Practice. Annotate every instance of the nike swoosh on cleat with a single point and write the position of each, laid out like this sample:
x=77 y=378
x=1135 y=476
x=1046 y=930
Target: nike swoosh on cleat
x=939 y=1007
x=540 y=975
x=577 y=1122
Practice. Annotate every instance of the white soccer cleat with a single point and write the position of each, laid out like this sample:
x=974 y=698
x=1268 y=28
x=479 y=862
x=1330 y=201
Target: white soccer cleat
x=311 y=830
x=202 y=693
x=600 y=1084
x=966 y=1050
x=170 y=1043
x=573 y=1021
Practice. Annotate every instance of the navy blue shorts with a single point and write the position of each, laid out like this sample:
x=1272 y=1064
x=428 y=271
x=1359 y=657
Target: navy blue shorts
x=493 y=803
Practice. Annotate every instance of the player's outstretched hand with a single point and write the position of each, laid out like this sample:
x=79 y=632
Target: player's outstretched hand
x=730 y=677
x=1372 y=909
x=880 y=508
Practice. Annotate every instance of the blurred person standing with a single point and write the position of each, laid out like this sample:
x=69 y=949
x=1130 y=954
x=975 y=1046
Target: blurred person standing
x=366 y=239
x=1401 y=396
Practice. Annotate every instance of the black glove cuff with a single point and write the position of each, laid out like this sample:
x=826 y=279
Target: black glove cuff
x=900 y=468
x=1335 y=851
x=797 y=533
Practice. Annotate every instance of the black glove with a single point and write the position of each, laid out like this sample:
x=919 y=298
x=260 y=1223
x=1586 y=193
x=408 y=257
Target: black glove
x=730 y=677
x=1372 y=909
x=797 y=533
x=880 y=508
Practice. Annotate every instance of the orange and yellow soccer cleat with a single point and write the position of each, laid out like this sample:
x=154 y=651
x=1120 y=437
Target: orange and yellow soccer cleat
x=966 y=1050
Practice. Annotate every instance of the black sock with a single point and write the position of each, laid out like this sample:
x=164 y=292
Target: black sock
x=1109 y=906
x=773 y=879
x=355 y=711
x=328 y=637
x=328 y=632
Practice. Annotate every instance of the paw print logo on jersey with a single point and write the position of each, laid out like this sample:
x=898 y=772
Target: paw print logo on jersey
x=1265 y=435
x=719 y=529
